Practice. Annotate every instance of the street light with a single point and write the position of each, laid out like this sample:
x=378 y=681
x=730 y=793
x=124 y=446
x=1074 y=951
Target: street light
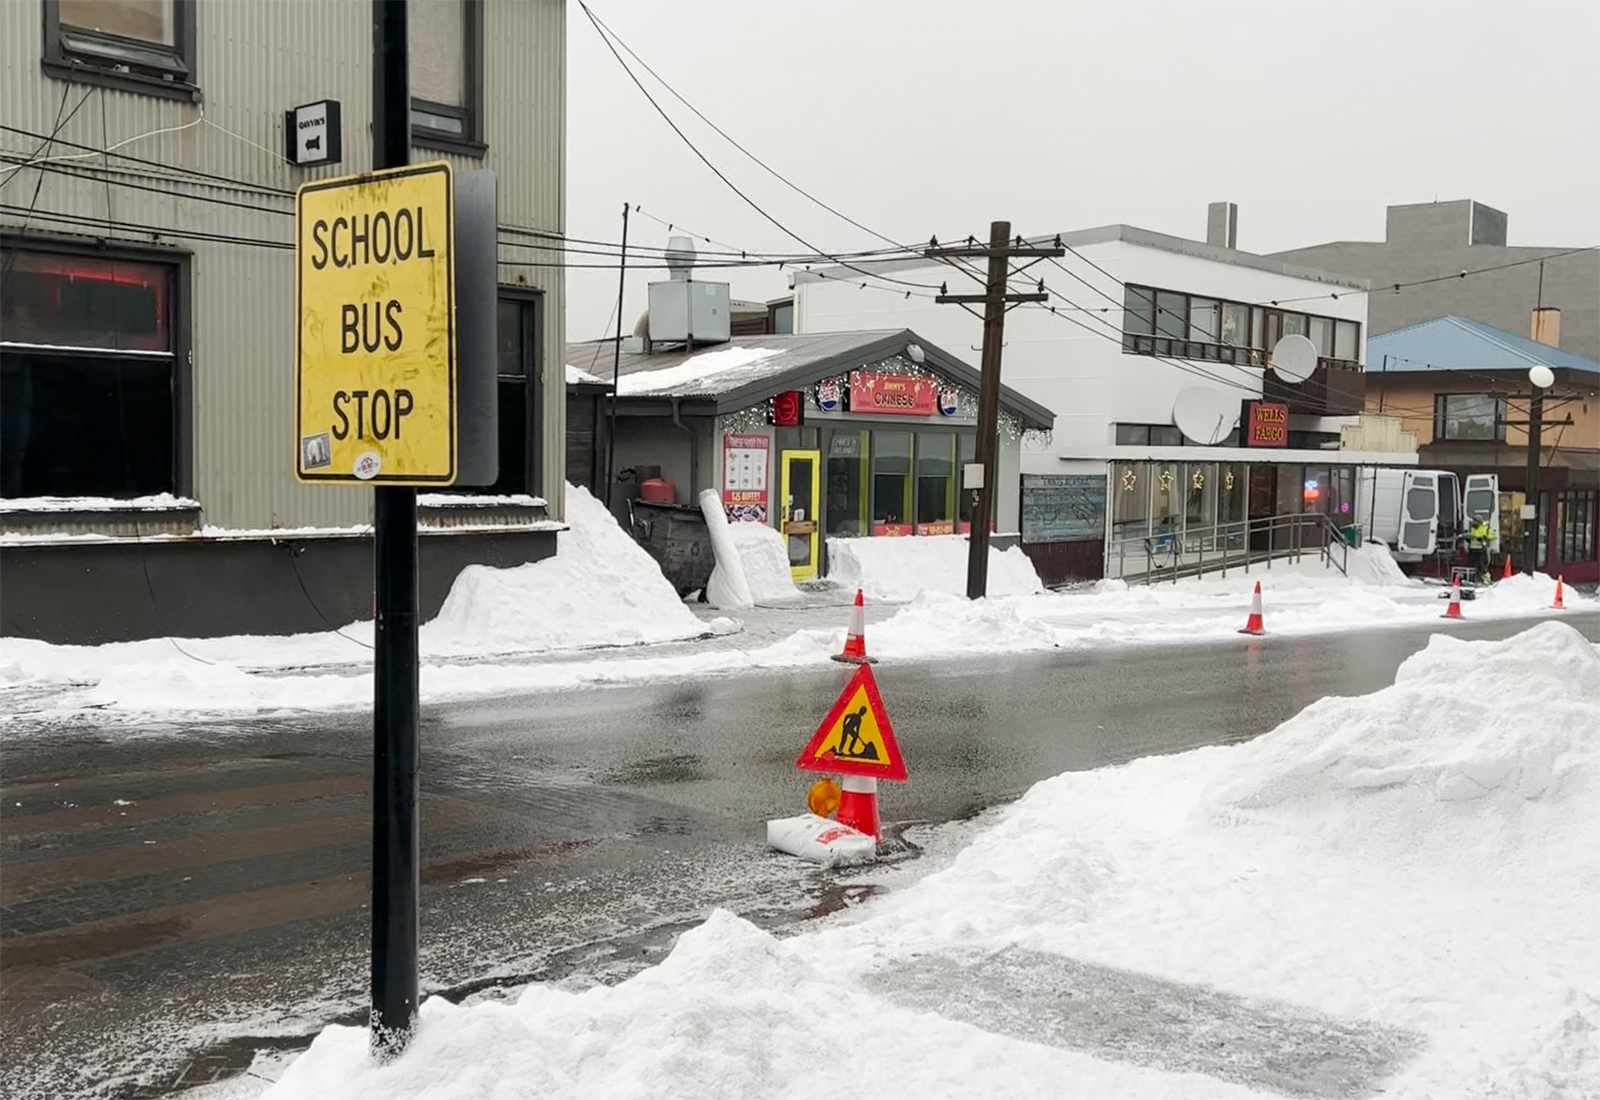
x=1540 y=378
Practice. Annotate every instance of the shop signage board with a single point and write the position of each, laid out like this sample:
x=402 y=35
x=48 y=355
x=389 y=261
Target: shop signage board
x=1063 y=507
x=375 y=348
x=893 y=394
x=745 y=467
x=1264 y=424
x=855 y=738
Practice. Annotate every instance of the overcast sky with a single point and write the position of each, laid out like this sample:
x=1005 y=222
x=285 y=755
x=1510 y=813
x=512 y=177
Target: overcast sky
x=937 y=117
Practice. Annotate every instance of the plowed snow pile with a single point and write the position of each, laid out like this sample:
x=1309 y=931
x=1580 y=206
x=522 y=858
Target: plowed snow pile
x=1413 y=872
x=600 y=588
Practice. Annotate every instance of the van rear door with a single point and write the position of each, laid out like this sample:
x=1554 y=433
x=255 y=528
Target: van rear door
x=1483 y=502
x=1451 y=526
x=1419 y=514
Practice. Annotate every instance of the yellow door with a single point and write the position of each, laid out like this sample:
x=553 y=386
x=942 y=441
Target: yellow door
x=801 y=489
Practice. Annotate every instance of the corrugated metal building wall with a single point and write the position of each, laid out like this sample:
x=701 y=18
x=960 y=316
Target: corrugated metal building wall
x=254 y=61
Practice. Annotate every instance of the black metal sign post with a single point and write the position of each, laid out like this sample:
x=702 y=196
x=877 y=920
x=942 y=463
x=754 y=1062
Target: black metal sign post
x=396 y=699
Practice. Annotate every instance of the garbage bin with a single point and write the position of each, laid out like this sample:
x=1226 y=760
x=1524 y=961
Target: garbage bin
x=1351 y=534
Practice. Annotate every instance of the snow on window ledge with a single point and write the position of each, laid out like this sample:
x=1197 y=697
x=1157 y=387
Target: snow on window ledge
x=164 y=502
x=465 y=500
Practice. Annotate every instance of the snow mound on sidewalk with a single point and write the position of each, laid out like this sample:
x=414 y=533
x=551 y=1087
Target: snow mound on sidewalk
x=766 y=561
x=600 y=588
x=898 y=569
x=1449 y=763
x=938 y=624
x=1372 y=563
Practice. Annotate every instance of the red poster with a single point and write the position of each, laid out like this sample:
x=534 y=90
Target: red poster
x=879 y=530
x=744 y=477
x=1264 y=424
x=897 y=394
x=946 y=527
x=965 y=527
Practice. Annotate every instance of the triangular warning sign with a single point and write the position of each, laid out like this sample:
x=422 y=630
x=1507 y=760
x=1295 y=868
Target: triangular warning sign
x=855 y=738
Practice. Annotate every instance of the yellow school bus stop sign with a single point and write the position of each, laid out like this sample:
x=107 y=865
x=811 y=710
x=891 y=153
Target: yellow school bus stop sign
x=375 y=350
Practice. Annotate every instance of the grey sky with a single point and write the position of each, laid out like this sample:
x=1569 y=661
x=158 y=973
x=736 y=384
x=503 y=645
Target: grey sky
x=937 y=117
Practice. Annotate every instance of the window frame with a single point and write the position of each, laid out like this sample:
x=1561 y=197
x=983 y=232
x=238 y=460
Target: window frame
x=1441 y=406
x=531 y=304
x=470 y=141
x=167 y=72
x=181 y=261
x=1262 y=320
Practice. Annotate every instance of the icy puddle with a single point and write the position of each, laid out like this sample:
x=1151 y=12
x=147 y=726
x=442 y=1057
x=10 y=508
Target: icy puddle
x=1123 y=1016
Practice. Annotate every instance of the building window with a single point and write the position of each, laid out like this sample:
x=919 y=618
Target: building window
x=936 y=483
x=891 y=478
x=135 y=45
x=1577 y=526
x=446 y=55
x=1469 y=416
x=780 y=317
x=88 y=377
x=1169 y=323
x=517 y=341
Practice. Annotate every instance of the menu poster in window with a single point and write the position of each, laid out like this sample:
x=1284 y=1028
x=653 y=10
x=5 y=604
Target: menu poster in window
x=1063 y=507
x=744 y=477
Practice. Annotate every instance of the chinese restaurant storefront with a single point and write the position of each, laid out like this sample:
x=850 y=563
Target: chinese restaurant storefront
x=828 y=436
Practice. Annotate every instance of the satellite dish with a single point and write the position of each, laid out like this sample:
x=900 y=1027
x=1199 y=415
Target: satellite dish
x=1204 y=416
x=1294 y=358
x=1541 y=376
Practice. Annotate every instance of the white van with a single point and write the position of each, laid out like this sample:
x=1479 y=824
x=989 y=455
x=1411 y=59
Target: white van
x=1420 y=513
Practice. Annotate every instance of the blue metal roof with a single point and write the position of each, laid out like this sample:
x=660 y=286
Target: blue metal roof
x=1459 y=343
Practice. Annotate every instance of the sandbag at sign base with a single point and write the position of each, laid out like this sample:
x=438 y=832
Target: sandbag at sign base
x=821 y=841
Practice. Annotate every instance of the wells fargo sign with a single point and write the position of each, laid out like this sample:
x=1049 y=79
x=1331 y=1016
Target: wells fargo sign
x=896 y=394
x=1264 y=424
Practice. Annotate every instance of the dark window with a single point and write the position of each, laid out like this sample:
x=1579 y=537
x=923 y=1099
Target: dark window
x=446 y=53
x=1149 y=435
x=1577 y=525
x=517 y=341
x=88 y=381
x=780 y=317
x=1469 y=416
x=1170 y=323
x=936 y=481
x=136 y=45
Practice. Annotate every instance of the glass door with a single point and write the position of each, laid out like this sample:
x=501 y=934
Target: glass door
x=801 y=492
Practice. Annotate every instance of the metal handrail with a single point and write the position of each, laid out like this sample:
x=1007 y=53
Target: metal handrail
x=1289 y=536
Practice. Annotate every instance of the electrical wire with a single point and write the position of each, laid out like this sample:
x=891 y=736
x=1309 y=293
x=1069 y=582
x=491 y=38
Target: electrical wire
x=717 y=171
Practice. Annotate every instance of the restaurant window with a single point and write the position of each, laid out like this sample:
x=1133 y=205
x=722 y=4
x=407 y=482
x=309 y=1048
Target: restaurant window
x=891 y=478
x=135 y=45
x=1130 y=494
x=936 y=483
x=845 y=508
x=1166 y=498
x=445 y=40
x=1577 y=521
x=88 y=376
x=1232 y=483
x=1469 y=416
x=1200 y=502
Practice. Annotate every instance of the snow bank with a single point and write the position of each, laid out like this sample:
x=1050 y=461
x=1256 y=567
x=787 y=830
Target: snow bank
x=727 y=587
x=897 y=569
x=765 y=558
x=600 y=588
x=1410 y=872
x=1372 y=563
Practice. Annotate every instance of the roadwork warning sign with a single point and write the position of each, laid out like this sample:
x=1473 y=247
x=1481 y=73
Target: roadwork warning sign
x=375 y=349
x=856 y=738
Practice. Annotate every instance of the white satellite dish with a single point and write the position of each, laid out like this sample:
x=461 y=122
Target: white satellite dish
x=1541 y=376
x=1294 y=358
x=1204 y=416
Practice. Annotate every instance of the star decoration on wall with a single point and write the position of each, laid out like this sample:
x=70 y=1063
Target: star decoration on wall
x=1166 y=480
x=1198 y=480
x=1227 y=480
x=1129 y=480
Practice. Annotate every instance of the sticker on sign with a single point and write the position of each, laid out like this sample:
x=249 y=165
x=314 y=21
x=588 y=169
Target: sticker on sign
x=375 y=351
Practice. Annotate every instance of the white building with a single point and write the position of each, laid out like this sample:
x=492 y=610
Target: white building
x=1148 y=352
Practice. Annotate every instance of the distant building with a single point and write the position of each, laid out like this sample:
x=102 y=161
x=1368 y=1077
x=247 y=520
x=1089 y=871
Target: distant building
x=1428 y=240
x=1462 y=386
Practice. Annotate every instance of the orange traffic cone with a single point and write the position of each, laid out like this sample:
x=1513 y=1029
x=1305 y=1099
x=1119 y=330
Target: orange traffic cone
x=1507 y=574
x=858 y=805
x=1558 y=605
x=1253 y=624
x=1454 y=610
x=855 y=641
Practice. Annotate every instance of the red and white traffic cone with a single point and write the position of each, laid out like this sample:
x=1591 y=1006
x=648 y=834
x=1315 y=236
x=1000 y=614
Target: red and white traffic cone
x=855 y=640
x=858 y=805
x=1558 y=605
x=1454 y=610
x=1507 y=574
x=1253 y=624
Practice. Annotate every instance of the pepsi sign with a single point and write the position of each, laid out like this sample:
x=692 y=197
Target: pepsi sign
x=830 y=395
x=947 y=401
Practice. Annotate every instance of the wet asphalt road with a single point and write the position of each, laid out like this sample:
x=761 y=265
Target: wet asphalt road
x=171 y=898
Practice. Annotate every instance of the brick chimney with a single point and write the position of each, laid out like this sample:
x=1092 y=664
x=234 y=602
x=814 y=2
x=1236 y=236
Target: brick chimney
x=1222 y=225
x=1546 y=328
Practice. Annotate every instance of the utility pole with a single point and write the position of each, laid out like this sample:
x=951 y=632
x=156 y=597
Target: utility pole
x=1530 y=508
x=996 y=301
x=616 y=364
x=396 y=700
